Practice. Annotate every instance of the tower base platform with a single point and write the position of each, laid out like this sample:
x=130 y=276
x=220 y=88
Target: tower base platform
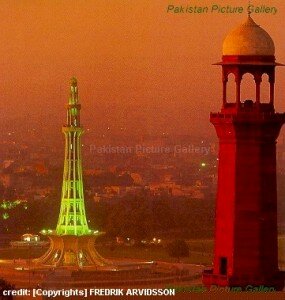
x=263 y=283
x=71 y=250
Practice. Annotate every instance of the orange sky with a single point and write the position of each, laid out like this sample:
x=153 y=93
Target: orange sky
x=138 y=67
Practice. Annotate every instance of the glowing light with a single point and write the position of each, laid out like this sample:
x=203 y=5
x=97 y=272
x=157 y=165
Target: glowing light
x=5 y=216
x=9 y=204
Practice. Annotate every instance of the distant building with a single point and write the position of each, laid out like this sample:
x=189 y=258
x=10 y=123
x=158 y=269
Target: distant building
x=29 y=240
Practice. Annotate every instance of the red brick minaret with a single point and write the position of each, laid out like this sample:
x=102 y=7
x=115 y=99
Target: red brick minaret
x=246 y=248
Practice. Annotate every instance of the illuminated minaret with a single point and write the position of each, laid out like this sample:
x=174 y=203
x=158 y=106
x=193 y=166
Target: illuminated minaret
x=72 y=217
x=72 y=243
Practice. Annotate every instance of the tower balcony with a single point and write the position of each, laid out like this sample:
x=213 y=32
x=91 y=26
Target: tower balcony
x=70 y=128
x=248 y=106
x=248 y=111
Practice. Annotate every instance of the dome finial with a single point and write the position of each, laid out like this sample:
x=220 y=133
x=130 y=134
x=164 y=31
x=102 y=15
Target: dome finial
x=249 y=12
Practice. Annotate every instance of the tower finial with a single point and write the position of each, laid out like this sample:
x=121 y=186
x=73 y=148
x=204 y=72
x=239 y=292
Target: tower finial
x=73 y=81
x=73 y=91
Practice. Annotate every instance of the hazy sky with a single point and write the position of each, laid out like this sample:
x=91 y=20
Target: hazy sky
x=138 y=67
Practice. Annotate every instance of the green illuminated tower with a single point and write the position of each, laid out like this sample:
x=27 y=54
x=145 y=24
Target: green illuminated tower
x=72 y=243
x=72 y=217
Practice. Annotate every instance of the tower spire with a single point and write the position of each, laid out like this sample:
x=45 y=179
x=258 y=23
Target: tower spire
x=72 y=218
x=72 y=243
x=73 y=91
x=73 y=106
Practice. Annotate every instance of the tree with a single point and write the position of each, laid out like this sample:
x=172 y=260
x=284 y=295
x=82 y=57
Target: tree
x=178 y=249
x=131 y=217
x=4 y=286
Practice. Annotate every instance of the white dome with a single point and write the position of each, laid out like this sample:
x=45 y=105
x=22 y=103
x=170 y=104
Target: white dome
x=248 y=39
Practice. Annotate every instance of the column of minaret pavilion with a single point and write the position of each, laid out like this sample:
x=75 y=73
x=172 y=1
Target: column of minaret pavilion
x=246 y=236
x=72 y=243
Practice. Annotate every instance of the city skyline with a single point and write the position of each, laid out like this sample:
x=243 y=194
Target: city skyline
x=180 y=178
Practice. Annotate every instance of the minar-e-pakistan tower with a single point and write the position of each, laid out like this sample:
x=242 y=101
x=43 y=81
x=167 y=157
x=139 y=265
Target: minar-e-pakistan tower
x=72 y=243
x=246 y=239
x=72 y=217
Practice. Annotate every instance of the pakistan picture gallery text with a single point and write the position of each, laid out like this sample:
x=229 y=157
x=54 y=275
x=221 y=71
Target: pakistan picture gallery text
x=216 y=8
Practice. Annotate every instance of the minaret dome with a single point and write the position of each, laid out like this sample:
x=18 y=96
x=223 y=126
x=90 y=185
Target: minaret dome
x=248 y=39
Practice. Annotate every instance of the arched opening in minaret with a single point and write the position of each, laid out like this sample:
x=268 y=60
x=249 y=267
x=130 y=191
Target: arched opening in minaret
x=265 y=89
x=248 y=88
x=231 y=88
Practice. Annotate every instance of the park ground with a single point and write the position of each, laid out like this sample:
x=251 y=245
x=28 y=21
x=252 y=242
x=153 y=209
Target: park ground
x=200 y=252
